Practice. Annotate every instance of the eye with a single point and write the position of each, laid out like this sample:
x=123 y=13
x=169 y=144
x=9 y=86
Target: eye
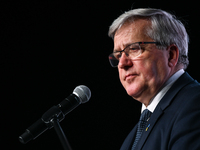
x=133 y=49
x=117 y=55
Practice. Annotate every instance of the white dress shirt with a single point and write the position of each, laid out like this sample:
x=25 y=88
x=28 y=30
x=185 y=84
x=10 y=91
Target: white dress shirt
x=156 y=99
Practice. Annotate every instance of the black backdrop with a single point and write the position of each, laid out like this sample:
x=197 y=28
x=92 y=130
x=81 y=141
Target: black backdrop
x=50 y=47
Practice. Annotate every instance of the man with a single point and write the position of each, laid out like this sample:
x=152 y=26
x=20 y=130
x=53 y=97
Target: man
x=151 y=53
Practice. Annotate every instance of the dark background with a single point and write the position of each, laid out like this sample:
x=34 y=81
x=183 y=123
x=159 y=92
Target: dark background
x=50 y=47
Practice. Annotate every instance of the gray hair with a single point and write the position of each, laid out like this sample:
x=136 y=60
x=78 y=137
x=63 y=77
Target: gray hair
x=165 y=29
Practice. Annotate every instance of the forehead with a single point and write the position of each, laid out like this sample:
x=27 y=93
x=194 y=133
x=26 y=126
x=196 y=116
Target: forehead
x=131 y=32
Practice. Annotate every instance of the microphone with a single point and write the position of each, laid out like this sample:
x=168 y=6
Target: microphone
x=81 y=94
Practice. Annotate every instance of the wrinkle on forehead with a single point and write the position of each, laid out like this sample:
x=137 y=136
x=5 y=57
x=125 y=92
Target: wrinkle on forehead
x=131 y=32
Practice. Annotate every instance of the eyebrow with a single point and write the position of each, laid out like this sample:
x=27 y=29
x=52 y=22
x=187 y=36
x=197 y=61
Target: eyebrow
x=125 y=46
x=116 y=50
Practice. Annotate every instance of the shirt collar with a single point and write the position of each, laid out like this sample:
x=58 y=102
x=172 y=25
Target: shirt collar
x=156 y=99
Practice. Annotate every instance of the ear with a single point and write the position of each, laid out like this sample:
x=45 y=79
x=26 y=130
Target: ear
x=173 y=55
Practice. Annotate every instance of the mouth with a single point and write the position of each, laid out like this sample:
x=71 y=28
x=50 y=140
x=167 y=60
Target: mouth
x=130 y=76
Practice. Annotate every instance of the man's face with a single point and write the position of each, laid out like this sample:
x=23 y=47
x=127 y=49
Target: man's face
x=142 y=76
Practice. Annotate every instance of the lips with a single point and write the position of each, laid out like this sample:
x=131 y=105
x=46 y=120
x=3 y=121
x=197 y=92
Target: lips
x=129 y=76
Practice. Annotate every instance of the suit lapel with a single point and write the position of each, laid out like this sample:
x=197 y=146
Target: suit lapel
x=165 y=102
x=130 y=139
x=149 y=127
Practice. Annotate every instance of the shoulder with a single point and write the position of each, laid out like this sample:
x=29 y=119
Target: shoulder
x=190 y=88
x=186 y=86
x=181 y=110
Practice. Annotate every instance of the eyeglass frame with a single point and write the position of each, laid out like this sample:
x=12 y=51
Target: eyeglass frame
x=112 y=54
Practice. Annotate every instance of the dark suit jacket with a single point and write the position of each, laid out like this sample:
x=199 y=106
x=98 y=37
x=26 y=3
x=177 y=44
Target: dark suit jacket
x=175 y=123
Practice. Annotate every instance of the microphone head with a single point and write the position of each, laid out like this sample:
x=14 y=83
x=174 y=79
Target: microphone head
x=83 y=92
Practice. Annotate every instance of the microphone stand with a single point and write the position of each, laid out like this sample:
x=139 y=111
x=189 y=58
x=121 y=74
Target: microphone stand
x=52 y=118
x=60 y=133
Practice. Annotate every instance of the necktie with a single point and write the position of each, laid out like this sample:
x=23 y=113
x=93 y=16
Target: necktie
x=141 y=125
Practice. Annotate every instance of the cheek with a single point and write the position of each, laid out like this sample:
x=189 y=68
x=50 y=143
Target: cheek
x=151 y=71
x=154 y=72
x=146 y=69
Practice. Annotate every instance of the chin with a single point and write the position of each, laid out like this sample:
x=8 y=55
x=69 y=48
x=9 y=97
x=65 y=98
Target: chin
x=133 y=91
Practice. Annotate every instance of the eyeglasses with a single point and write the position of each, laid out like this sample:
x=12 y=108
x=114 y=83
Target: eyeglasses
x=132 y=51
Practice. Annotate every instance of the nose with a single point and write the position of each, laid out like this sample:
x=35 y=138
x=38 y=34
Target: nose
x=125 y=61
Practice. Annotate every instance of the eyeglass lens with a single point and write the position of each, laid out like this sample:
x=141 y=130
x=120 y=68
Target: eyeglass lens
x=131 y=51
